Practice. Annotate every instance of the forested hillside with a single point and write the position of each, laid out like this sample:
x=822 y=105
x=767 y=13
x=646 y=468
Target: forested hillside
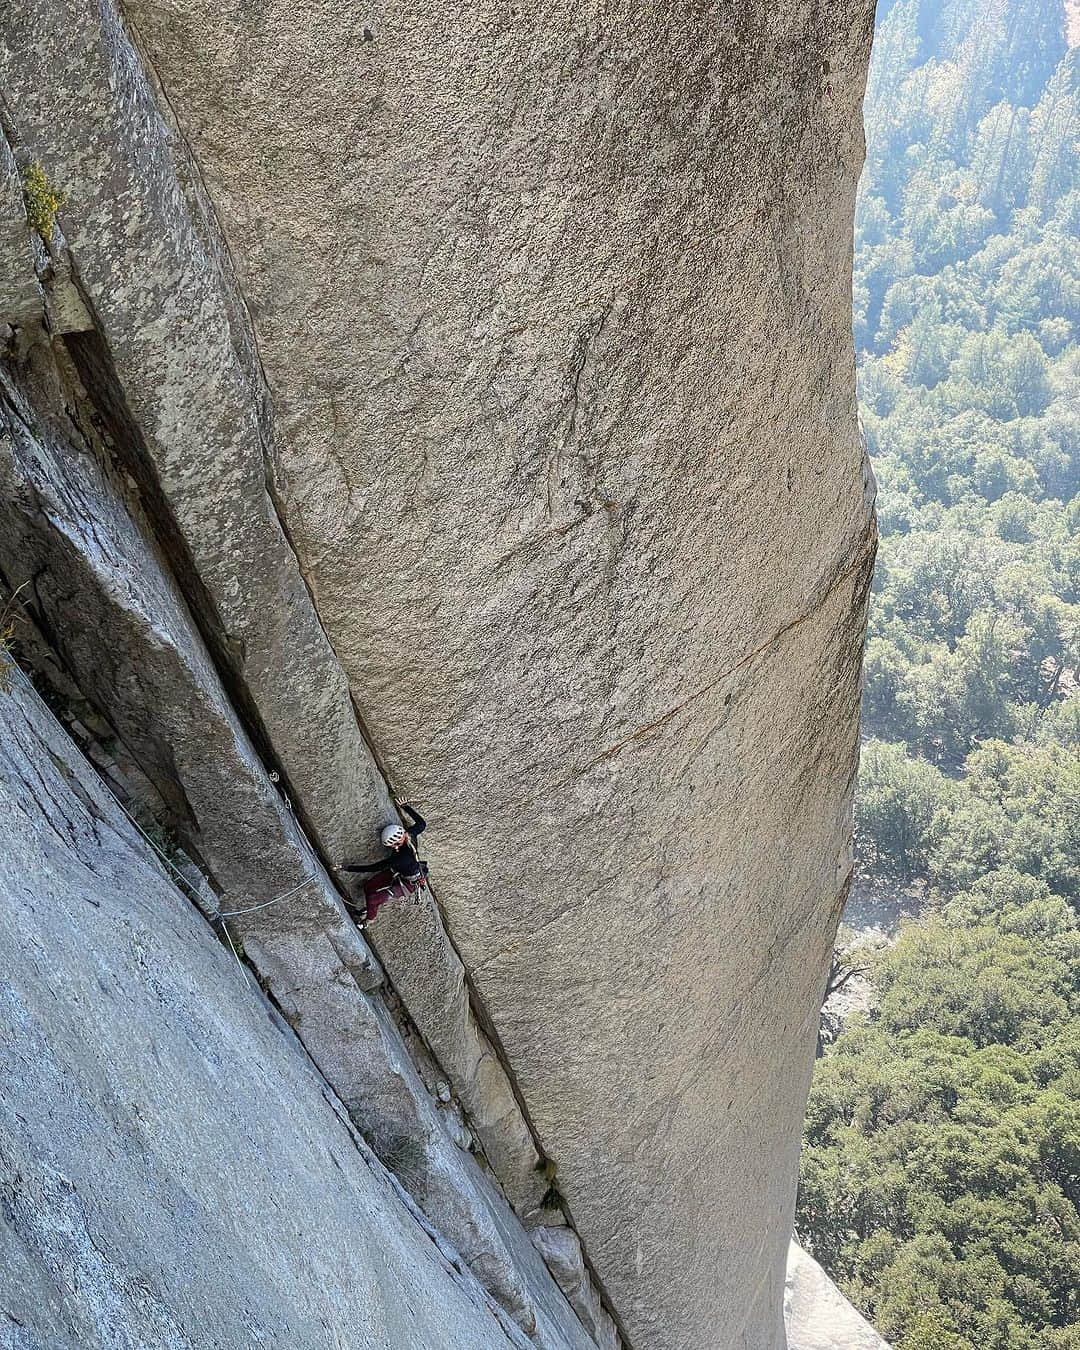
x=941 y=1176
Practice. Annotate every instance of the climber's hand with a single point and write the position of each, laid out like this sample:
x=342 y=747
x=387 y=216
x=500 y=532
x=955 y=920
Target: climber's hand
x=401 y=801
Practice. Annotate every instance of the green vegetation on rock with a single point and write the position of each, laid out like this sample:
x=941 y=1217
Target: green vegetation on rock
x=42 y=200
x=941 y=1170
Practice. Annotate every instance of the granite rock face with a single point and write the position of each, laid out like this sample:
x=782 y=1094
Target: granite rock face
x=817 y=1315
x=487 y=376
x=170 y=363
x=65 y=533
x=104 y=624
x=553 y=307
x=173 y=1170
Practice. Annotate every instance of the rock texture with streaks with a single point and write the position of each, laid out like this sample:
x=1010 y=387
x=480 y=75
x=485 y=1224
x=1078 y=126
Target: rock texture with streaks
x=136 y=687
x=484 y=375
x=554 y=309
x=166 y=352
x=173 y=1170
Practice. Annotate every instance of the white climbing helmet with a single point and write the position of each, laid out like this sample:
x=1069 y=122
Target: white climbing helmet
x=393 y=836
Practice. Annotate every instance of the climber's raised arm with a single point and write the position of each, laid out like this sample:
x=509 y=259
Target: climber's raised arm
x=384 y=861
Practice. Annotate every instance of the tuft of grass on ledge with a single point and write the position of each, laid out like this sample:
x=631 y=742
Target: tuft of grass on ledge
x=42 y=200
x=9 y=620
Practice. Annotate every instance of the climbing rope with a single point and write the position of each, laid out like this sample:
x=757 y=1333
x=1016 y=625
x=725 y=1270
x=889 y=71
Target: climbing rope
x=232 y=947
x=234 y=913
x=221 y=914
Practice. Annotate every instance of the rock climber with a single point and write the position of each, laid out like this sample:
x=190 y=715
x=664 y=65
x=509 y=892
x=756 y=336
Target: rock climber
x=400 y=871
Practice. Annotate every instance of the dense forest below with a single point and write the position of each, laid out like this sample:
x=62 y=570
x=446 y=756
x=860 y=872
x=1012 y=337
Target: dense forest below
x=941 y=1163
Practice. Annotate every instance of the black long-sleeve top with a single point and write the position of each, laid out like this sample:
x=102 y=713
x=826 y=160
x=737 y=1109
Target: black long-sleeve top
x=405 y=861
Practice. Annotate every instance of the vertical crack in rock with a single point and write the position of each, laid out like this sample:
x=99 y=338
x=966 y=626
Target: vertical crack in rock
x=151 y=1184
x=646 y=934
x=185 y=407
x=140 y=657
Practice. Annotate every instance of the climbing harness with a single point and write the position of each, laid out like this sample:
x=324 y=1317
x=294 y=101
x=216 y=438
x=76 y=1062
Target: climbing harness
x=387 y=885
x=380 y=888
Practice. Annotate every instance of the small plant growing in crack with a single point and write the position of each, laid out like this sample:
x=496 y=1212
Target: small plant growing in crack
x=402 y=1155
x=159 y=836
x=552 y=1197
x=7 y=659
x=42 y=200
x=9 y=622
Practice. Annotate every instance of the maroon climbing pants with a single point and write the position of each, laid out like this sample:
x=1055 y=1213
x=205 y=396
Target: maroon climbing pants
x=383 y=886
